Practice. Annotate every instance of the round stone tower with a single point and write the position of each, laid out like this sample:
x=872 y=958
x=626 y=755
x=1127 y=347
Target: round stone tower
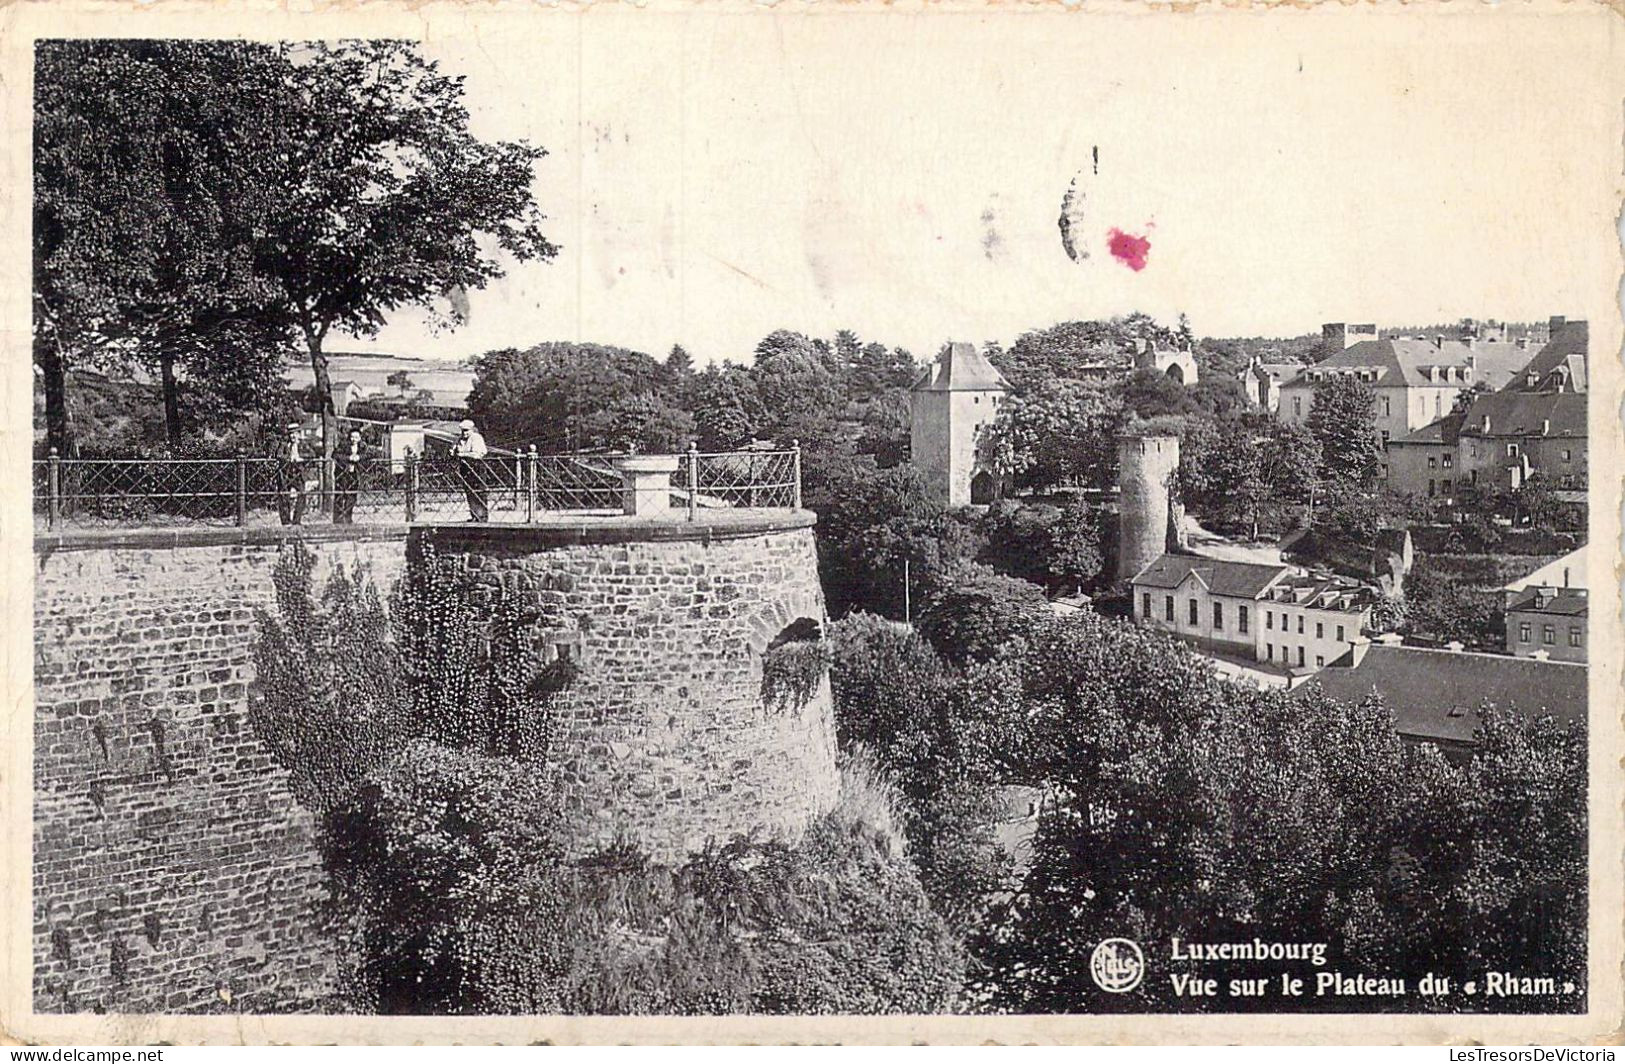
x=664 y=737
x=1145 y=469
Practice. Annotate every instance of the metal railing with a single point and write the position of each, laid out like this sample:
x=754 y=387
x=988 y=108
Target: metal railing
x=97 y=493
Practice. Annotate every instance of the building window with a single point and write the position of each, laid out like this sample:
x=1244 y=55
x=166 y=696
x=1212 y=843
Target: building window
x=1566 y=480
x=1387 y=407
x=1145 y=604
x=1339 y=633
x=1512 y=450
x=1269 y=620
x=1548 y=635
x=1430 y=489
x=1320 y=630
x=1567 y=454
x=1472 y=475
x=1444 y=487
x=1300 y=657
x=1385 y=437
x=1438 y=404
x=1270 y=649
x=1297 y=406
x=1447 y=462
x=1320 y=661
x=1194 y=616
x=1241 y=619
x=1218 y=616
x=1432 y=463
x=1300 y=624
x=1574 y=637
x=1168 y=609
x=1523 y=632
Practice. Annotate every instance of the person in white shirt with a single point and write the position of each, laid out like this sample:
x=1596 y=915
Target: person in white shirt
x=470 y=452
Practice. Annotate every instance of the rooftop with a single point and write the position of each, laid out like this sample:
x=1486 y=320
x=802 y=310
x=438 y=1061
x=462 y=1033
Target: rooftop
x=1401 y=361
x=961 y=368
x=1570 y=602
x=1434 y=695
x=1219 y=576
x=1527 y=414
x=1322 y=591
x=1561 y=364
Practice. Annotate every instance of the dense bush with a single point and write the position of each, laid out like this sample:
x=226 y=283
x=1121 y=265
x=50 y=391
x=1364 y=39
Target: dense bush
x=897 y=702
x=973 y=612
x=419 y=737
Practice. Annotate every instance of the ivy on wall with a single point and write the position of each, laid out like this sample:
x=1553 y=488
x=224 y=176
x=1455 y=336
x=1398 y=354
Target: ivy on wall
x=419 y=735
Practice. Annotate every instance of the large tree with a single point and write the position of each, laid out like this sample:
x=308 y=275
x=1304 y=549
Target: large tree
x=565 y=396
x=1056 y=431
x=1342 y=417
x=383 y=195
x=147 y=200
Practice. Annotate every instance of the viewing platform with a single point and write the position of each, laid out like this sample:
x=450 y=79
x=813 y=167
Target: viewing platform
x=557 y=498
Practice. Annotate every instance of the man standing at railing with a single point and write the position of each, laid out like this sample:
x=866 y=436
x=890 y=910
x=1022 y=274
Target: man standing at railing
x=470 y=452
x=346 y=481
x=290 y=481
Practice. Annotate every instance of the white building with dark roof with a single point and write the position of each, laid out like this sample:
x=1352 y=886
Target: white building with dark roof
x=1274 y=614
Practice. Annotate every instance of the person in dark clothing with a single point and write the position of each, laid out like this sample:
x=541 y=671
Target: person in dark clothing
x=347 y=481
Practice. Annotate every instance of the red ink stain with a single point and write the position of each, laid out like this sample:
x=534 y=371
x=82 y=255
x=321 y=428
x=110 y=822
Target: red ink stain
x=1129 y=249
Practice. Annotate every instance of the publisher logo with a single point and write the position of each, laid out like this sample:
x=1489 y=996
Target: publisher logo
x=1117 y=965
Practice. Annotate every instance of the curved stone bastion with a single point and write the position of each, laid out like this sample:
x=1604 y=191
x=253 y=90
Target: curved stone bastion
x=174 y=870
x=664 y=737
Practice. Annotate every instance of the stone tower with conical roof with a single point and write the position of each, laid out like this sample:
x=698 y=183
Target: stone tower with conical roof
x=949 y=406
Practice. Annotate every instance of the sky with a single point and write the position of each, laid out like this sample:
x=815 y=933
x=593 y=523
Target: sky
x=712 y=177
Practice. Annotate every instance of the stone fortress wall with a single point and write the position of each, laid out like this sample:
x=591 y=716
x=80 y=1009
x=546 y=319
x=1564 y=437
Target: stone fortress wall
x=173 y=869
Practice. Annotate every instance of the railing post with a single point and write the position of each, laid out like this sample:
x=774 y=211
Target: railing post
x=795 y=473
x=329 y=485
x=411 y=486
x=693 y=478
x=242 y=491
x=53 y=489
x=531 y=464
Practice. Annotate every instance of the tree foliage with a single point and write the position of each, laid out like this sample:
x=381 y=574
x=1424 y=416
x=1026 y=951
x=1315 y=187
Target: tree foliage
x=1183 y=805
x=145 y=224
x=1342 y=418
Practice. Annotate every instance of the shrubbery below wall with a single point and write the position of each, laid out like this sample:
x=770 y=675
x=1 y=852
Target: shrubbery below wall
x=442 y=833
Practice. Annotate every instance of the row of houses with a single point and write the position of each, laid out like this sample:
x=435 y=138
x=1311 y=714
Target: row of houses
x=1315 y=630
x=1524 y=411
x=1297 y=622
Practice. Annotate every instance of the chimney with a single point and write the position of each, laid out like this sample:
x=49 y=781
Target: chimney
x=1455 y=646
x=1541 y=655
x=1554 y=323
x=1438 y=339
x=1523 y=343
x=1388 y=639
